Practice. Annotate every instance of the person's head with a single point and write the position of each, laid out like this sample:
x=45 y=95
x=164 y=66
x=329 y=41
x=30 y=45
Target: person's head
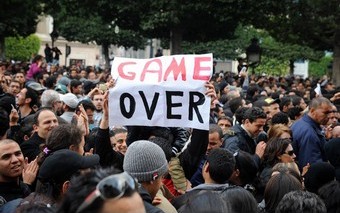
x=254 y=120
x=318 y=174
x=89 y=109
x=146 y=161
x=286 y=103
x=219 y=166
x=44 y=121
x=298 y=101
x=300 y=202
x=215 y=137
x=51 y=99
x=333 y=118
x=88 y=193
x=332 y=151
x=295 y=113
x=280 y=118
x=245 y=170
x=277 y=186
x=279 y=131
x=70 y=102
x=278 y=150
x=73 y=74
x=27 y=96
x=289 y=168
x=239 y=114
x=240 y=200
x=98 y=101
x=118 y=140
x=36 y=203
x=57 y=169
x=66 y=136
x=37 y=58
x=11 y=161
x=91 y=75
x=20 y=76
x=336 y=132
x=265 y=106
x=274 y=105
x=14 y=87
x=236 y=103
x=165 y=146
x=330 y=194
x=319 y=109
x=225 y=123
x=76 y=87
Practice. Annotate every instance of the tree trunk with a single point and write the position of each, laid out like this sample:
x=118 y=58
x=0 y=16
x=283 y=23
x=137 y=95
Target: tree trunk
x=176 y=36
x=2 y=48
x=291 y=67
x=105 y=49
x=336 y=60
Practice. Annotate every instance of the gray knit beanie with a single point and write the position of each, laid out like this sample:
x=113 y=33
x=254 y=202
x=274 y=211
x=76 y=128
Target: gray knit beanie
x=145 y=161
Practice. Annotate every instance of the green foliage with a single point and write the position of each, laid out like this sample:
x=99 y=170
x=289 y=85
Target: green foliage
x=273 y=67
x=21 y=49
x=19 y=17
x=320 y=68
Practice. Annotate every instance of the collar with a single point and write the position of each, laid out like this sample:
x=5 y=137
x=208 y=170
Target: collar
x=248 y=133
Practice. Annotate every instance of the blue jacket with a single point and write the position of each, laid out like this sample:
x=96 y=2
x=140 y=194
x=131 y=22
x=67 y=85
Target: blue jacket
x=308 y=141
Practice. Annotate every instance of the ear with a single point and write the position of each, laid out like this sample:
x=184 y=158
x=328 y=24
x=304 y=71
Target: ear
x=246 y=121
x=206 y=167
x=65 y=186
x=72 y=147
x=28 y=100
x=35 y=127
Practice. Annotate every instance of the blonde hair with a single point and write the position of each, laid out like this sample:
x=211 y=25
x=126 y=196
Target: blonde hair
x=276 y=130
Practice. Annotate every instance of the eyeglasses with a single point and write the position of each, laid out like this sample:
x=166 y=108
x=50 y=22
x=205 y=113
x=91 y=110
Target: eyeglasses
x=111 y=187
x=290 y=153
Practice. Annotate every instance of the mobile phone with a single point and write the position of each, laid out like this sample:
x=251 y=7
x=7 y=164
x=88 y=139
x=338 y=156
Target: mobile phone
x=103 y=87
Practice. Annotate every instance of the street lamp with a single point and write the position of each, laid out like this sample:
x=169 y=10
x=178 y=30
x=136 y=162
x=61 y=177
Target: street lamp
x=253 y=52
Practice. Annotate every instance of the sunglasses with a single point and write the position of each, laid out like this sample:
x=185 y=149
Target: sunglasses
x=290 y=153
x=111 y=187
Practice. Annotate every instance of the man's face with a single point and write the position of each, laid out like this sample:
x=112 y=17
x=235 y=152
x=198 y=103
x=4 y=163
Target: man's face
x=46 y=122
x=20 y=77
x=74 y=73
x=266 y=110
x=98 y=101
x=255 y=127
x=224 y=124
x=21 y=97
x=14 y=88
x=274 y=108
x=303 y=104
x=119 y=142
x=89 y=113
x=321 y=114
x=11 y=161
x=77 y=90
x=214 y=142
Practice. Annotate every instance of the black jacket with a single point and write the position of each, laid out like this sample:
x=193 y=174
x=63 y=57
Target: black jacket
x=191 y=157
x=108 y=157
x=31 y=147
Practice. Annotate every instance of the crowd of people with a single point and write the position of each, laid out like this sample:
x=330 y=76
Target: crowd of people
x=272 y=146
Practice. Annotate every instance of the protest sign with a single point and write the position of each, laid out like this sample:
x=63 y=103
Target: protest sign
x=166 y=91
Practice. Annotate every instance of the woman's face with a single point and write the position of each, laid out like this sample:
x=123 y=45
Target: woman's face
x=288 y=156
